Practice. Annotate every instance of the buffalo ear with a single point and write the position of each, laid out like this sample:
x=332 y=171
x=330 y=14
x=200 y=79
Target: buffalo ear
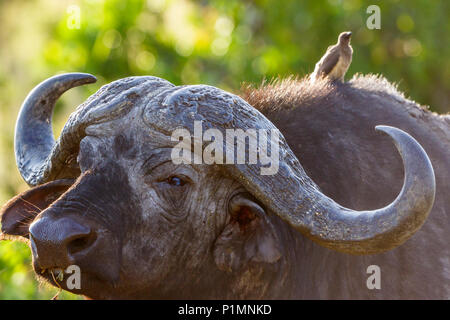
x=19 y=212
x=248 y=237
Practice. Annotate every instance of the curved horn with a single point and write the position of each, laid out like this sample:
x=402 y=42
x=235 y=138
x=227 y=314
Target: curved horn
x=319 y=218
x=367 y=232
x=34 y=140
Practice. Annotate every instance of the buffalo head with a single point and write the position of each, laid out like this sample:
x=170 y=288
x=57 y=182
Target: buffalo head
x=108 y=198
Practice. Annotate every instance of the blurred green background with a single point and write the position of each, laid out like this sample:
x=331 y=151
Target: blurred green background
x=221 y=43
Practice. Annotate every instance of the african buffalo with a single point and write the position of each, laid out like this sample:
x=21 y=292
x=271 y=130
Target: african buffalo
x=108 y=197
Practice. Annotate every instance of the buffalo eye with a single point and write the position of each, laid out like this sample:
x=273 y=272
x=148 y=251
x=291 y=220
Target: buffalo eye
x=176 y=181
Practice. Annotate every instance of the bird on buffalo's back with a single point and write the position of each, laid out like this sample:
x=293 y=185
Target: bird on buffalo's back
x=335 y=62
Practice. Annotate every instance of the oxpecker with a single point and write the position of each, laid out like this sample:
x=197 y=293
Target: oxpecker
x=335 y=62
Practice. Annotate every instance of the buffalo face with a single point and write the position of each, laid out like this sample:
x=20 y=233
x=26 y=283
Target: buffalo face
x=139 y=226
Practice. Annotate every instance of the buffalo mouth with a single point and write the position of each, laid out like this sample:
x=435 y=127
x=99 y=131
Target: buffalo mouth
x=92 y=284
x=78 y=258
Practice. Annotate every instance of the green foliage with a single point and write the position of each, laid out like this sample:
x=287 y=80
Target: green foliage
x=218 y=42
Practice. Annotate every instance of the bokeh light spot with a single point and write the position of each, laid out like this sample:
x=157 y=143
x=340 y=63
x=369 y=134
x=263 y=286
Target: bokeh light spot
x=412 y=47
x=405 y=23
x=112 y=39
x=145 y=60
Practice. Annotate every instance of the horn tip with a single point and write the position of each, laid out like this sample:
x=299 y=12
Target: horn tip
x=397 y=135
x=384 y=128
x=85 y=78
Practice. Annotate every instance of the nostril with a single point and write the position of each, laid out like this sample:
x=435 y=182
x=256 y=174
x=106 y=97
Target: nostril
x=81 y=242
x=57 y=241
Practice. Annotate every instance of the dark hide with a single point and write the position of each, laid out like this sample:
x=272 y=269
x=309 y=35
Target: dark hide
x=330 y=128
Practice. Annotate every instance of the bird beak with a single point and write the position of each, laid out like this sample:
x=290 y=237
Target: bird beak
x=348 y=34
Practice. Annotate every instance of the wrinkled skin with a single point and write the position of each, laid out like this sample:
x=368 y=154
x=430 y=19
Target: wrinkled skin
x=159 y=230
x=196 y=210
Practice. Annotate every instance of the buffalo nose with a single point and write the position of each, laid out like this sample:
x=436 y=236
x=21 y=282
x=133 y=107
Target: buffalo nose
x=56 y=243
